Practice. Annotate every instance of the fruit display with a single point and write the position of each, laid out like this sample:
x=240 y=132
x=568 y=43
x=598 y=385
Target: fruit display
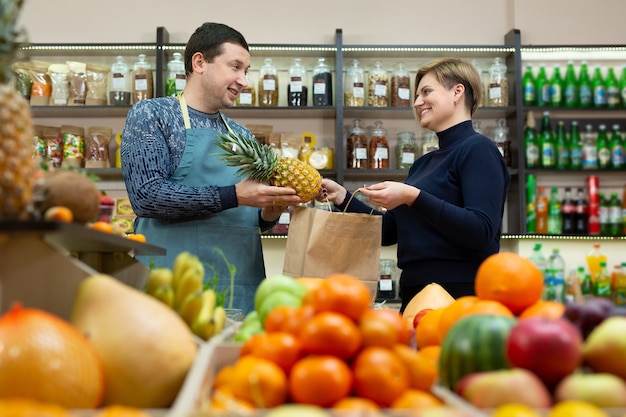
x=260 y=162
x=182 y=289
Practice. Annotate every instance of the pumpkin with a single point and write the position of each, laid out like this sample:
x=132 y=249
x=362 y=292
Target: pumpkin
x=475 y=343
x=432 y=296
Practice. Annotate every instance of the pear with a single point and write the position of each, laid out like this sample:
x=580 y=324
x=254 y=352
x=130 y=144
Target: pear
x=602 y=389
x=605 y=347
x=145 y=347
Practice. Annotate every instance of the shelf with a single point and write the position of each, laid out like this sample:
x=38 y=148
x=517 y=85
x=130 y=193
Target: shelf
x=80 y=111
x=324 y=112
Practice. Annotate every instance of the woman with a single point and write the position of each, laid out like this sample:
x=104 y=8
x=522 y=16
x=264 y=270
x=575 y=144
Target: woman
x=446 y=217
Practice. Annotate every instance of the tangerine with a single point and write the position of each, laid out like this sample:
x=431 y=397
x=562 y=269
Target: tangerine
x=416 y=399
x=452 y=313
x=288 y=319
x=392 y=318
x=427 y=332
x=340 y=293
x=137 y=237
x=379 y=375
x=422 y=369
x=282 y=348
x=511 y=279
x=330 y=333
x=59 y=214
x=547 y=309
x=363 y=405
x=45 y=358
x=102 y=227
x=259 y=382
x=320 y=380
x=117 y=410
x=492 y=307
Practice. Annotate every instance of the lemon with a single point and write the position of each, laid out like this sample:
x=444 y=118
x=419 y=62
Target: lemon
x=573 y=408
x=515 y=410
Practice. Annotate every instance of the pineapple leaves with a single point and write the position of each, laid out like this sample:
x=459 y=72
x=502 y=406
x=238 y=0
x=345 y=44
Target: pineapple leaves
x=10 y=36
x=255 y=161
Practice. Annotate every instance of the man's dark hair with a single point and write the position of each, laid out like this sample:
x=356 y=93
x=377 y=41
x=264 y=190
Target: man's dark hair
x=208 y=40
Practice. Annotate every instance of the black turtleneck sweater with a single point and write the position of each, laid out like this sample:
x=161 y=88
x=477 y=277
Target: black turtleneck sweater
x=456 y=221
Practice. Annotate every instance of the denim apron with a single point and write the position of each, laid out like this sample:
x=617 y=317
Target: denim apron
x=235 y=231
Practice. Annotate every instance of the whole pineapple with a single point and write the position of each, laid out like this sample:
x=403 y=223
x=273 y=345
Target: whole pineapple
x=260 y=162
x=17 y=167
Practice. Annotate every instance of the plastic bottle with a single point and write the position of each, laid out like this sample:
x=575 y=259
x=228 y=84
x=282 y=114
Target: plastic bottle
x=297 y=91
x=542 y=211
x=570 y=89
x=573 y=292
x=176 y=78
x=616 y=146
x=538 y=258
x=400 y=94
x=555 y=220
x=619 y=294
x=586 y=286
x=581 y=225
x=542 y=86
x=602 y=284
x=554 y=281
x=556 y=87
x=322 y=84
x=594 y=258
x=120 y=83
x=528 y=87
x=624 y=211
x=575 y=147
x=268 y=84
x=615 y=215
x=568 y=213
x=354 y=85
x=498 y=84
x=599 y=89
x=547 y=143
x=142 y=79
x=612 y=89
x=585 y=90
x=590 y=151
x=531 y=142
x=562 y=147
x=602 y=148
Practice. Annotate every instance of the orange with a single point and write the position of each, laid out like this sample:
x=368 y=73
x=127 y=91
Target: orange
x=379 y=375
x=137 y=237
x=427 y=332
x=59 y=214
x=224 y=400
x=259 y=382
x=121 y=411
x=511 y=279
x=413 y=399
x=330 y=333
x=23 y=407
x=224 y=376
x=102 y=227
x=422 y=369
x=362 y=405
x=383 y=327
x=548 y=309
x=341 y=293
x=488 y=307
x=309 y=282
x=320 y=380
x=279 y=347
x=45 y=358
x=452 y=313
x=288 y=319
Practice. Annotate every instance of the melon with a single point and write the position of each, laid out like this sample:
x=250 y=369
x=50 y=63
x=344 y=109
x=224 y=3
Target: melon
x=432 y=296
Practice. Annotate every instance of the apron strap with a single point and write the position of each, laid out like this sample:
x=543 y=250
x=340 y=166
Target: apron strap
x=185 y=110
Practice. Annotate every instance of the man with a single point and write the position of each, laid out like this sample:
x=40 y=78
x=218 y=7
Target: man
x=184 y=196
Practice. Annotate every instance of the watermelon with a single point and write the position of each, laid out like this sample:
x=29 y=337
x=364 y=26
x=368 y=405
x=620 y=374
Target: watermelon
x=473 y=344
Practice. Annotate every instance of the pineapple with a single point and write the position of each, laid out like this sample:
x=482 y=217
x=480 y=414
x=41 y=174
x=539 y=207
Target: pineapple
x=17 y=166
x=261 y=163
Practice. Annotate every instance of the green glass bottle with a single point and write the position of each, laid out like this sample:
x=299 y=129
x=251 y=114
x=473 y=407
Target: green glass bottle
x=547 y=143
x=531 y=198
x=599 y=89
x=531 y=142
x=555 y=220
x=528 y=86
x=622 y=87
x=556 y=87
x=542 y=87
x=585 y=91
x=616 y=144
x=602 y=148
x=612 y=89
x=562 y=147
x=603 y=213
x=575 y=147
x=570 y=89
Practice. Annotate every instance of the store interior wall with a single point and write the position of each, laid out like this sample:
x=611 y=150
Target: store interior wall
x=445 y=22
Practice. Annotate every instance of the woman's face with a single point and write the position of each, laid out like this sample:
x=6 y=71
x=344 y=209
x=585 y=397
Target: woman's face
x=434 y=104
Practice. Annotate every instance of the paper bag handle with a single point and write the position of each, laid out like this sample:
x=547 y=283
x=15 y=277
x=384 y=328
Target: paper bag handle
x=350 y=199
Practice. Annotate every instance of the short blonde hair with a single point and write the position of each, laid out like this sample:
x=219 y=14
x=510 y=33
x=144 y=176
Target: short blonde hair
x=452 y=71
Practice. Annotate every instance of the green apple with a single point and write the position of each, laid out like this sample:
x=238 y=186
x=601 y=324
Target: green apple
x=277 y=283
x=276 y=299
x=249 y=327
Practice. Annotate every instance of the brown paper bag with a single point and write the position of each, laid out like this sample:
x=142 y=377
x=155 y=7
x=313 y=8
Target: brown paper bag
x=320 y=243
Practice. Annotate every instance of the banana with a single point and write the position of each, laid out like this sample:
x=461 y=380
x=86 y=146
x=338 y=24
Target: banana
x=183 y=261
x=165 y=294
x=194 y=303
x=190 y=282
x=219 y=317
x=203 y=324
x=157 y=278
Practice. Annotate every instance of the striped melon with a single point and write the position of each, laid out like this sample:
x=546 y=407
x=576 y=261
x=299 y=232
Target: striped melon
x=475 y=343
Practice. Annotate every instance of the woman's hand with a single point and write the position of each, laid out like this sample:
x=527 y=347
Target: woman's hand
x=331 y=191
x=390 y=194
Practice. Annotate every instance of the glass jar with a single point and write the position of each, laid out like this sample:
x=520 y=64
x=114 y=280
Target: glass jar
x=322 y=84
x=498 y=84
x=386 y=280
x=406 y=150
x=500 y=133
x=297 y=89
x=247 y=95
x=356 y=147
x=354 y=85
x=268 y=84
x=379 y=147
x=479 y=70
x=142 y=79
x=400 y=87
x=430 y=141
x=176 y=77
x=120 y=83
x=378 y=86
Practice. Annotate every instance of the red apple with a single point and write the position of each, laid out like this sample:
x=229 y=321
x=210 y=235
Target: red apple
x=550 y=348
x=419 y=316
